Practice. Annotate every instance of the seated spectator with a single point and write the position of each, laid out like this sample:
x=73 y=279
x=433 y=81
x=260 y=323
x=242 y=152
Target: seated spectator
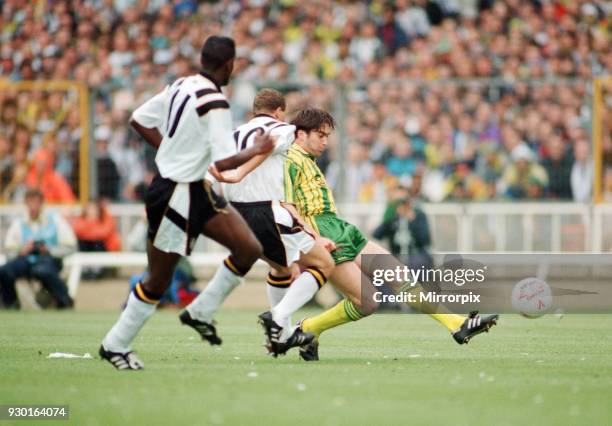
x=377 y=187
x=36 y=245
x=357 y=170
x=96 y=229
x=401 y=162
x=41 y=174
x=407 y=233
x=524 y=178
x=6 y=163
x=107 y=172
x=15 y=189
x=462 y=184
x=582 y=172
x=558 y=166
x=489 y=167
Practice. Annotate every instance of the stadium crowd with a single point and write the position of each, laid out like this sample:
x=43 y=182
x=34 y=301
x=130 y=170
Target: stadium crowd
x=384 y=68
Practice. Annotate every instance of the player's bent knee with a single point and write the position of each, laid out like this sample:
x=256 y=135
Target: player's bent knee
x=320 y=258
x=248 y=252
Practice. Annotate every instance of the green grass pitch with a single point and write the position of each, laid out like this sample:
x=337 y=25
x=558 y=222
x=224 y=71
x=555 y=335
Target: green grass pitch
x=390 y=370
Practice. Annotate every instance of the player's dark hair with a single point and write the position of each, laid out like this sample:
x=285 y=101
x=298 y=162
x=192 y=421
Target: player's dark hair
x=217 y=50
x=310 y=119
x=268 y=100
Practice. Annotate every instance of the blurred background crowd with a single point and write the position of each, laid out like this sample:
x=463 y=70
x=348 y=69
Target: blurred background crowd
x=456 y=99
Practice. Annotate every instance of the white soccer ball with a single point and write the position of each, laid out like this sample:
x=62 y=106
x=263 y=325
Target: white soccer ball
x=531 y=297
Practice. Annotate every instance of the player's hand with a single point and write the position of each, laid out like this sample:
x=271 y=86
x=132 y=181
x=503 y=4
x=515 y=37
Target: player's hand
x=328 y=244
x=264 y=143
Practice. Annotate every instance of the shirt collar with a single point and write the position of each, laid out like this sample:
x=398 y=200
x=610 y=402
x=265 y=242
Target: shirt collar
x=210 y=77
x=303 y=151
x=263 y=115
x=42 y=219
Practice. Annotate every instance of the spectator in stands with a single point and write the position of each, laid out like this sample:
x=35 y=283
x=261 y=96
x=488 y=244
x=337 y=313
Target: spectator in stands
x=36 y=244
x=524 y=178
x=582 y=172
x=377 y=188
x=16 y=188
x=408 y=235
x=107 y=173
x=311 y=42
x=401 y=161
x=357 y=171
x=558 y=166
x=391 y=33
x=42 y=174
x=6 y=163
x=96 y=229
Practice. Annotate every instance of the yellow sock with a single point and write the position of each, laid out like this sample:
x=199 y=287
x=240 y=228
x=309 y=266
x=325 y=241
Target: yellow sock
x=449 y=320
x=340 y=314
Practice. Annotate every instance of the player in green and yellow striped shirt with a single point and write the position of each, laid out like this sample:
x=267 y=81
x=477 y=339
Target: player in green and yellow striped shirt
x=307 y=190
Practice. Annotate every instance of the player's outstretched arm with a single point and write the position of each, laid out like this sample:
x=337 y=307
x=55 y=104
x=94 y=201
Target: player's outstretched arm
x=264 y=144
x=236 y=175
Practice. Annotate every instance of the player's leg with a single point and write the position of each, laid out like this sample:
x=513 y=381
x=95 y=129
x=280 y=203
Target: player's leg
x=141 y=304
x=358 y=303
x=230 y=230
x=169 y=208
x=278 y=281
x=462 y=328
x=346 y=277
x=317 y=264
x=286 y=243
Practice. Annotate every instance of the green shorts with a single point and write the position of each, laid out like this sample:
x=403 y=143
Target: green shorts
x=349 y=240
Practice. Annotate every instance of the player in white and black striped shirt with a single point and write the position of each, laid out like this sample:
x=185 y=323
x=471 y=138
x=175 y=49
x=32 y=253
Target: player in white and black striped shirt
x=259 y=197
x=190 y=124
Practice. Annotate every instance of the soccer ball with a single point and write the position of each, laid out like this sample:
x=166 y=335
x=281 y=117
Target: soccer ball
x=531 y=297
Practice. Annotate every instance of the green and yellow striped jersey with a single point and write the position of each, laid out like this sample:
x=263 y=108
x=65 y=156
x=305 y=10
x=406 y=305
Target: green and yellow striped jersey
x=305 y=185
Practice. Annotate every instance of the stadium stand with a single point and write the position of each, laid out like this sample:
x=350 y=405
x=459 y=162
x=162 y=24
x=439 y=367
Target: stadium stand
x=390 y=69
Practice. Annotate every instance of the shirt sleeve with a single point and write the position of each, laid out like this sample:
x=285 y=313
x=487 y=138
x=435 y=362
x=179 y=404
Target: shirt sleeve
x=285 y=134
x=65 y=236
x=221 y=133
x=13 y=242
x=151 y=113
x=290 y=178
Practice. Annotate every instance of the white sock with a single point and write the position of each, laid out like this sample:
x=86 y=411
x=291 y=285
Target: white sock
x=301 y=291
x=133 y=317
x=209 y=301
x=275 y=295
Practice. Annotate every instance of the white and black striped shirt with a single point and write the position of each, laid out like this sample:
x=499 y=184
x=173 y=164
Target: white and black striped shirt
x=194 y=118
x=266 y=182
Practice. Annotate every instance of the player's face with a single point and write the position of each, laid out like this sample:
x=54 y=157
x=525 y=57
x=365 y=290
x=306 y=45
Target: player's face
x=316 y=141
